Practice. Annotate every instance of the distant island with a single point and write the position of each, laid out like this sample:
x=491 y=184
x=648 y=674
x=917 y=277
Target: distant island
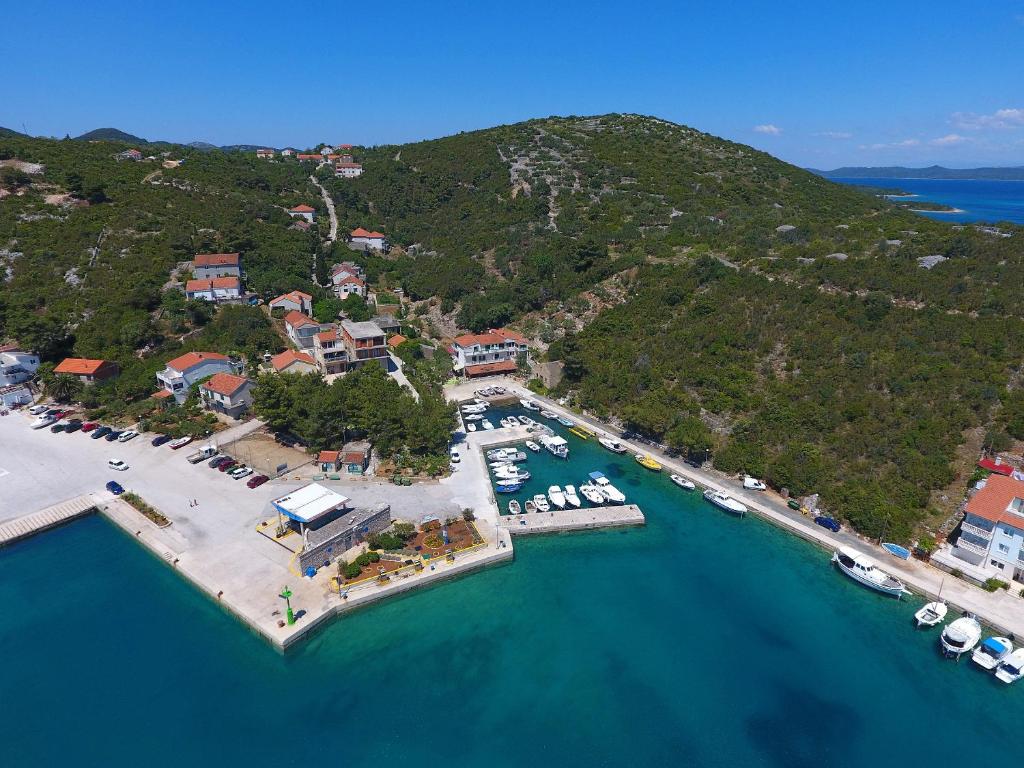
x=1014 y=173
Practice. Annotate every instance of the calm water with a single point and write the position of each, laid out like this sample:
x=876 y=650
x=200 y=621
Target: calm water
x=980 y=200
x=699 y=640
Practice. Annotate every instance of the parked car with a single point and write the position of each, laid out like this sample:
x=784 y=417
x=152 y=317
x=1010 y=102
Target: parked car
x=226 y=465
x=695 y=463
x=36 y=410
x=73 y=426
x=454 y=457
x=53 y=412
x=256 y=482
x=216 y=461
x=115 y=488
x=89 y=426
x=161 y=439
x=63 y=414
x=828 y=522
x=43 y=421
x=753 y=484
x=127 y=435
x=58 y=427
x=117 y=464
x=100 y=432
x=238 y=474
x=181 y=442
x=112 y=435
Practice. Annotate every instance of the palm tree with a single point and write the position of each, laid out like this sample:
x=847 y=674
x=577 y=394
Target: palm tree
x=64 y=388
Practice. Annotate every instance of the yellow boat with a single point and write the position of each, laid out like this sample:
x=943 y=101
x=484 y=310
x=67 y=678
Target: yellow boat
x=647 y=462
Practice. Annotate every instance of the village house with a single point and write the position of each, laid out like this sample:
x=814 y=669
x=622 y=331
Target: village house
x=302 y=212
x=287 y=152
x=301 y=329
x=484 y=354
x=184 y=371
x=347 y=170
x=304 y=158
x=294 y=301
x=325 y=151
x=992 y=532
x=208 y=265
x=353 y=458
x=227 y=393
x=329 y=352
x=291 y=361
x=338 y=271
x=349 y=284
x=87 y=371
x=16 y=365
x=216 y=289
x=364 y=342
x=129 y=154
x=394 y=342
x=386 y=323
x=343 y=158
x=264 y=154
x=364 y=240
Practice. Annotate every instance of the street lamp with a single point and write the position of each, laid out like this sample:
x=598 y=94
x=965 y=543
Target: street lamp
x=286 y=595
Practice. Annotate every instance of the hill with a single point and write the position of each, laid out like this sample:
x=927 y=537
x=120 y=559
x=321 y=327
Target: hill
x=931 y=172
x=110 y=134
x=9 y=132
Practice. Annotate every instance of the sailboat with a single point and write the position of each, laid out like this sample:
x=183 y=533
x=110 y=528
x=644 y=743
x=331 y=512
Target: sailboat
x=934 y=612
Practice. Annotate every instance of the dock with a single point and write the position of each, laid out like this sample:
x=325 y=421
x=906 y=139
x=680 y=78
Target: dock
x=562 y=520
x=28 y=525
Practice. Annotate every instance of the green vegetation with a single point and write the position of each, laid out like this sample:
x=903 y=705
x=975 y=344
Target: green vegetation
x=136 y=501
x=993 y=584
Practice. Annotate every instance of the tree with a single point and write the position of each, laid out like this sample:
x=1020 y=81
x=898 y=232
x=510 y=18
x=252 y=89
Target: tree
x=355 y=308
x=64 y=388
x=327 y=310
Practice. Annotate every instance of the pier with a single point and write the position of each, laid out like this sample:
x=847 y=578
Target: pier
x=28 y=525
x=561 y=520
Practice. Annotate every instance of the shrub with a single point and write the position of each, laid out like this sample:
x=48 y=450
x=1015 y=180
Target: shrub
x=352 y=570
x=468 y=515
x=992 y=584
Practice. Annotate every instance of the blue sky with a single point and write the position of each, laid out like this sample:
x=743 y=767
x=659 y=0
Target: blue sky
x=860 y=83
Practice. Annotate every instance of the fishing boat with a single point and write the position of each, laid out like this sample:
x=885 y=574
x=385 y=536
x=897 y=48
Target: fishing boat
x=647 y=462
x=540 y=501
x=556 y=445
x=592 y=494
x=529 y=404
x=608 y=491
x=556 y=496
x=723 y=500
x=530 y=507
x=532 y=446
x=992 y=652
x=862 y=569
x=612 y=444
x=514 y=508
x=682 y=482
x=508 y=486
x=1012 y=668
x=896 y=550
x=571 y=498
x=565 y=422
x=549 y=414
x=486 y=424
x=931 y=614
x=960 y=636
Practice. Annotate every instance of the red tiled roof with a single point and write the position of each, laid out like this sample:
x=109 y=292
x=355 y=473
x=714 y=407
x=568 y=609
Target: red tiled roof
x=992 y=466
x=192 y=359
x=211 y=283
x=348 y=165
x=345 y=146
x=328 y=457
x=396 y=340
x=296 y=296
x=161 y=394
x=297 y=320
x=225 y=383
x=289 y=356
x=509 y=334
x=10 y=347
x=308 y=157
x=331 y=335
x=505 y=366
x=350 y=279
x=215 y=259
x=303 y=209
x=360 y=232
x=79 y=366
x=991 y=502
x=493 y=336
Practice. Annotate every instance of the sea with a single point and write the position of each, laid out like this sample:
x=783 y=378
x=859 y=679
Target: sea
x=700 y=639
x=978 y=200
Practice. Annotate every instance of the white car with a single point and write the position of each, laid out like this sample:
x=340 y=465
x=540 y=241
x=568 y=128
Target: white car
x=127 y=435
x=117 y=464
x=43 y=421
x=238 y=474
x=753 y=484
x=35 y=410
x=455 y=458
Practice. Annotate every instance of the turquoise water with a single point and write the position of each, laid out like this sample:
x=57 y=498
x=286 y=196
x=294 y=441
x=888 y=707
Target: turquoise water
x=979 y=199
x=700 y=639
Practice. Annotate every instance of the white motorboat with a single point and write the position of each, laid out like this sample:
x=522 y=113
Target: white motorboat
x=513 y=421
x=540 y=501
x=527 y=421
x=992 y=652
x=532 y=446
x=486 y=424
x=473 y=417
x=474 y=408
x=612 y=444
x=1011 y=669
x=514 y=508
x=549 y=414
x=723 y=500
x=753 y=484
x=481 y=403
x=931 y=614
x=556 y=496
x=530 y=506
x=682 y=482
x=592 y=494
x=571 y=498
x=862 y=568
x=471 y=427
x=557 y=446
x=608 y=491
x=511 y=472
x=960 y=636
x=529 y=404
x=496 y=454
x=505 y=422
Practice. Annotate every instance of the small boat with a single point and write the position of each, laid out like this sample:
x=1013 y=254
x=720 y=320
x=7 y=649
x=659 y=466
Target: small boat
x=556 y=445
x=514 y=508
x=532 y=446
x=753 y=484
x=608 y=491
x=527 y=421
x=723 y=500
x=571 y=498
x=992 y=652
x=530 y=507
x=612 y=444
x=592 y=494
x=511 y=473
x=647 y=462
x=474 y=408
x=481 y=403
x=471 y=427
x=556 y=496
x=931 y=614
x=505 y=422
x=499 y=390
x=1011 y=669
x=682 y=482
x=529 y=405
x=861 y=568
x=486 y=424
x=541 y=502
x=508 y=486
x=513 y=421
x=473 y=417
x=565 y=422
x=498 y=453
x=896 y=550
x=960 y=636
x=549 y=414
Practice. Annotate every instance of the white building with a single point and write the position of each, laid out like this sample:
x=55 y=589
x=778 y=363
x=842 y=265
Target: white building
x=992 y=532
x=207 y=265
x=349 y=284
x=302 y=212
x=296 y=301
x=348 y=170
x=265 y=154
x=214 y=289
x=182 y=372
x=227 y=393
x=360 y=239
x=16 y=365
x=484 y=354
x=301 y=329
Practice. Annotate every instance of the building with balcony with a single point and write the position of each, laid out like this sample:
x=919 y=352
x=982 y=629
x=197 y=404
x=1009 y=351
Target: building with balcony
x=485 y=354
x=215 y=289
x=184 y=371
x=301 y=329
x=87 y=371
x=16 y=365
x=992 y=532
x=209 y=265
x=330 y=352
x=227 y=393
x=365 y=342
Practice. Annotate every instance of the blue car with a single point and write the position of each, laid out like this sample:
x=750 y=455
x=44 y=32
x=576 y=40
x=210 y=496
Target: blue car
x=161 y=439
x=828 y=522
x=115 y=488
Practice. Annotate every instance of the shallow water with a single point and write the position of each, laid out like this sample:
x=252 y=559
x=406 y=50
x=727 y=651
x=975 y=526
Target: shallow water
x=979 y=200
x=700 y=639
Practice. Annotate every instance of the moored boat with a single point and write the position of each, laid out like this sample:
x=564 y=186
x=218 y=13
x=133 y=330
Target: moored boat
x=472 y=417
x=992 y=652
x=471 y=427
x=931 y=614
x=540 y=501
x=608 y=491
x=723 y=500
x=592 y=494
x=530 y=507
x=529 y=404
x=532 y=446
x=647 y=462
x=527 y=421
x=863 y=570
x=1011 y=669
x=513 y=421
x=896 y=550
x=612 y=444
x=571 y=498
x=960 y=636
x=505 y=422
x=486 y=424
x=682 y=482
x=549 y=414
x=514 y=508
x=566 y=422
x=508 y=486
x=555 y=445
x=556 y=496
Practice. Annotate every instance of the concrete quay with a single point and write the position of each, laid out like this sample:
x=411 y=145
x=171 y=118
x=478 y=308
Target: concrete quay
x=565 y=520
x=22 y=527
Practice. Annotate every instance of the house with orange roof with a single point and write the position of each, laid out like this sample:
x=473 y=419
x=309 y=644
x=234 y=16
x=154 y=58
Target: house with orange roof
x=227 y=393
x=301 y=329
x=346 y=285
x=192 y=367
x=486 y=354
x=330 y=352
x=209 y=265
x=360 y=239
x=303 y=211
x=293 y=301
x=86 y=370
x=396 y=341
x=347 y=170
x=992 y=531
x=291 y=361
x=264 y=154
x=215 y=289
x=307 y=158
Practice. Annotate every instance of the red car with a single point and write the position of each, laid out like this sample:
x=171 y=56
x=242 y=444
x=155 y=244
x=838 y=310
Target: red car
x=89 y=426
x=256 y=482
x=227 y=465
x=63 y=414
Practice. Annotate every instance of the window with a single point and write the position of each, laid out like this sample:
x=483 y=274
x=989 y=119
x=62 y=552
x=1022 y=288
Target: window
x=1003 y=548
x=997 y=564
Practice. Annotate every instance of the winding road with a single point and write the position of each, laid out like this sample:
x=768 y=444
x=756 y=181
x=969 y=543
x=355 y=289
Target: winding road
x=333 y=235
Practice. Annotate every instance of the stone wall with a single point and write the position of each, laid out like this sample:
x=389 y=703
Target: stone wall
x=344 y=539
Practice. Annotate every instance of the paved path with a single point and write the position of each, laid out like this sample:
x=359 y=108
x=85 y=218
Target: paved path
x=27 y=525
x=399 y=375
x=330 y=209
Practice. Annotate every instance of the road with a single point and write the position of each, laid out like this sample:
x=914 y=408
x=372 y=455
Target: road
x=330 y=209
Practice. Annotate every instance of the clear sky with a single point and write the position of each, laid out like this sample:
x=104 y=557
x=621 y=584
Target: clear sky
x=821 y=84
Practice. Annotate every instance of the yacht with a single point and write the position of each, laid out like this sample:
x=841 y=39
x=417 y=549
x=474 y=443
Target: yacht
x=592 y=494
x=514 y=508
x=486 y=424
x=556 y=445
x=608 y=491
x=723 y=500
x=556 y=496
x=571 y=498
x=540 y=501
x=612 y=444
x=992 y=652
x=647 y=462
x=529 y=404
x=532 y=446
x=862 y=568
x=931 y=614
x=682 y=482
x=530 y=507
x=1012 y=667
x=960 y=636
x=566 y=422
